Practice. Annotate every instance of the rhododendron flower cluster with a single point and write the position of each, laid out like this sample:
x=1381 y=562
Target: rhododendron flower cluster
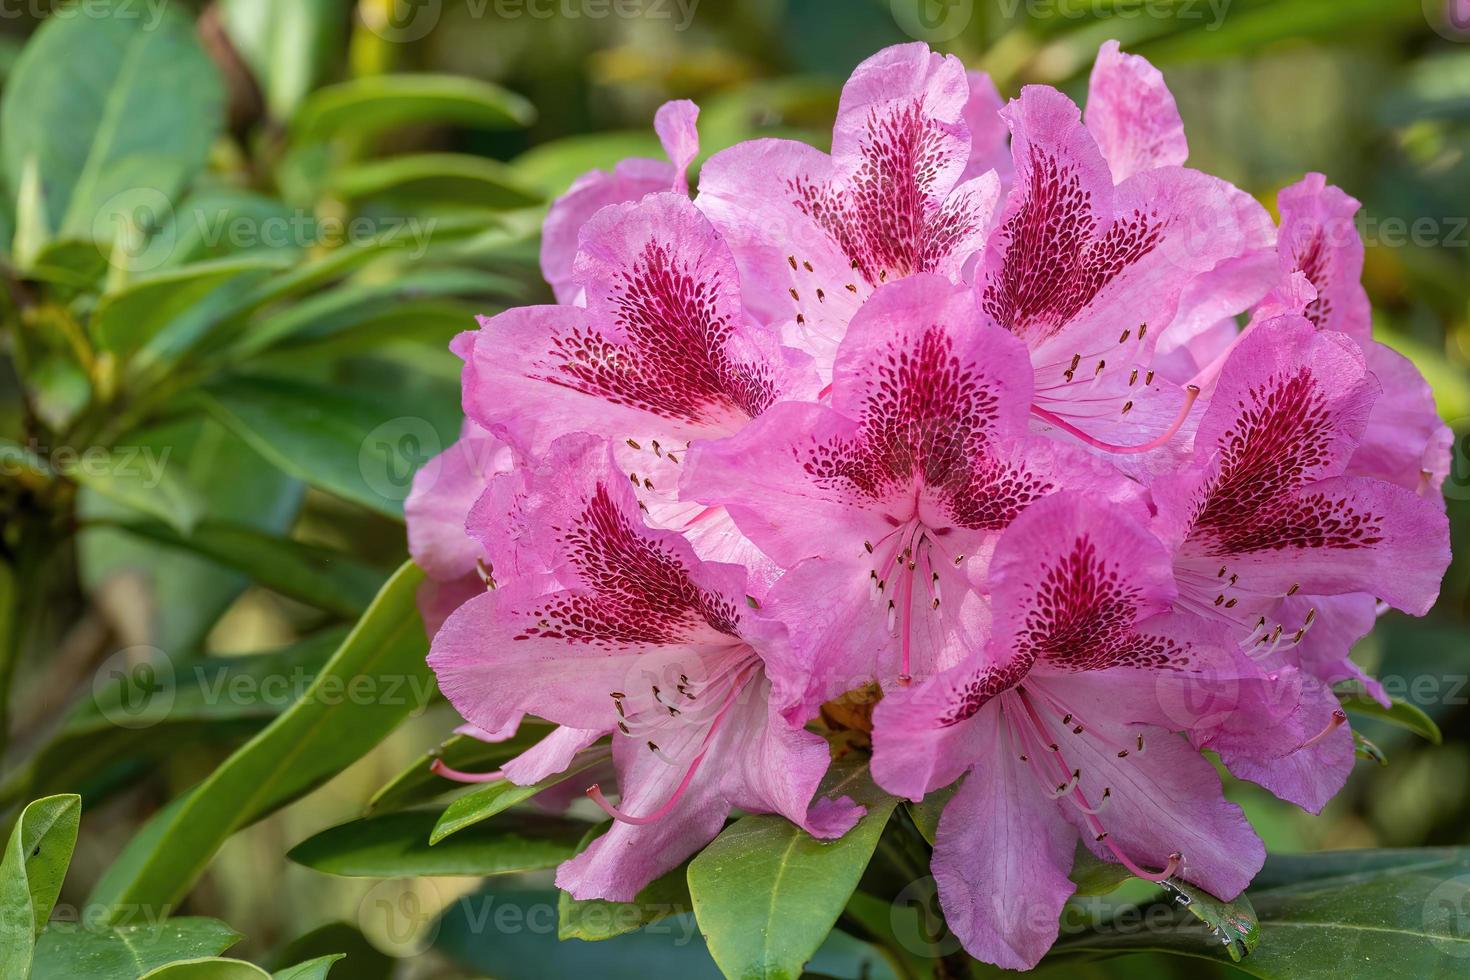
x=998 y=414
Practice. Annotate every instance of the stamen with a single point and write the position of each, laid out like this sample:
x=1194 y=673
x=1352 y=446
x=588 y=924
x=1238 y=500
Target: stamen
x=438 y=768
x=1051 y=418
x=1339 y=717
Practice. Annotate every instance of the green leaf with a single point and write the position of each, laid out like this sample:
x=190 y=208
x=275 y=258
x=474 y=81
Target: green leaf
x=1233 y=924
x=70 y=950
x=436 y=178
x=31 y=872
x=403 y=303
x=140 y=711
x=1327 y=916
x=1365 y=749
x=596 y=920
x=368 y=106
x=926 y=813
x=418 y=784
x=207 y=968
x=124 y=322
x=187 y=593
x=118 y=110
x=507 y=931
x=288 y=44
x=552 y=166
x=376 y=678
x=1401 y=713
x=335 y=440
x=316 y=969
x=397 y=846
x=154 y=486
x=320 y=577
x=1094 y=876
x=767 y=894
x=330 y=941
x=497 y=797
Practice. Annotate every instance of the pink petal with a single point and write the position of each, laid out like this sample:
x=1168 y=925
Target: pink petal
x=443 y=492
x=1001 y=857
x=630 y=180
x=1319 y=237
x=1071 y=580
x=1405 y=442
x=990 y=138
x=676 y=125
x=551 y=755
x=1132 y=115
x=662 y=350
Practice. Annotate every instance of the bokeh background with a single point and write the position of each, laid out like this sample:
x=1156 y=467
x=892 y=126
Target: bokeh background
x=1374 y=93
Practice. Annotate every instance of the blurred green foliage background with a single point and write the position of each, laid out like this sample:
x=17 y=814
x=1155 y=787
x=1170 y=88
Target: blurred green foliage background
x=1374 y=93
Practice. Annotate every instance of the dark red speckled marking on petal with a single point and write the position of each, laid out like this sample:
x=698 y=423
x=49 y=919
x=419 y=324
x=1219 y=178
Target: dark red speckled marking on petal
x=1083 y=615
x=969 y=697
x=883 y=217
x=1267 y=459
x=675 y=363
x=636 y=590
x=1053 y=266
x=927 y=418
x=1313 y=262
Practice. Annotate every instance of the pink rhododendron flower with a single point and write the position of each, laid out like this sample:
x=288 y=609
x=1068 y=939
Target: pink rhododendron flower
x=625 y=629
x=962 y=417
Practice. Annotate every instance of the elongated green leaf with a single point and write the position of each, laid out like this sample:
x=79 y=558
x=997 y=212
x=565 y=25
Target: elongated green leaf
x=417 y=783
x=367 y=106
x=397 y=846
x=352 y=308
x=335 y=440
x=207 y=968
x=318 y=576
x=767 y=894
x=288 y=44
x=328 y=942
x=141 y=712
x=375 y=680
x=497 y=797
x=31 y=872
x=154 y=486
x=117 y=109
x=1334 y=915
x=1401 y=713
x=443 y=178
x=597 y=920
x=68 y=951
x=508 y=931
x=127 y=320
x=316 y=969
x=551 y=167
